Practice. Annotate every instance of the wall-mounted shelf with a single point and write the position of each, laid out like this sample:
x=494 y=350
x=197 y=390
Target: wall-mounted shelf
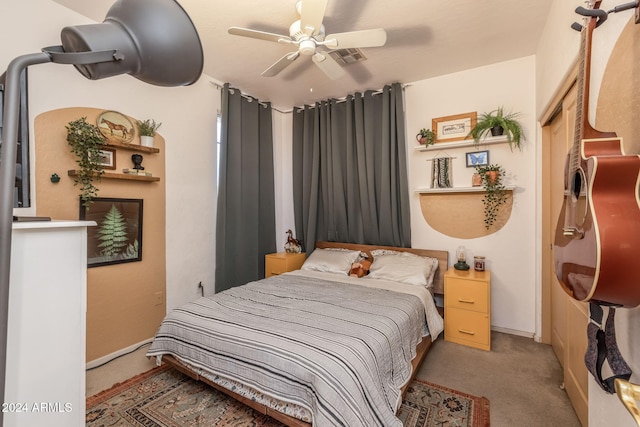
x=455 y=190
x=114 y=175
x=458 y=212
x=133 y=147
x=461 y=144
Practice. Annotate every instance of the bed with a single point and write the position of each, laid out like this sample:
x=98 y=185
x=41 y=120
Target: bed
x=315 y=346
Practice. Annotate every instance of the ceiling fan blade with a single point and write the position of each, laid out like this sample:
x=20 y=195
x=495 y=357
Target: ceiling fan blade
x=328 y=65
x=364 y=38
x=311 y=15
x=261 y=35
x=280 y=64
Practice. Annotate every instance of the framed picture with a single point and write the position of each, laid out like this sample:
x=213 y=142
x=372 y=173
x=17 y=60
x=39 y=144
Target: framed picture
x=108 y=158
x=454 y=128
x=477 y=158
x=116 y=127
x=118 y=236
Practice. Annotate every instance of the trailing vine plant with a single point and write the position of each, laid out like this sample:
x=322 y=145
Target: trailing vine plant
x=495 y=192
x=85 y=141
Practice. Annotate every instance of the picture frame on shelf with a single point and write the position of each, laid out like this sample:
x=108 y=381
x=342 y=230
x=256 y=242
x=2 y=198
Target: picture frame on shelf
x=477 y=158
x=454 y=128
x=108 y=158
x=117 y=238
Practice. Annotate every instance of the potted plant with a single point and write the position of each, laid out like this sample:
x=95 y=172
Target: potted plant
x=498 y=123
x=147 y=129
x=426 y=137
x=495 y=192
x=86 y=142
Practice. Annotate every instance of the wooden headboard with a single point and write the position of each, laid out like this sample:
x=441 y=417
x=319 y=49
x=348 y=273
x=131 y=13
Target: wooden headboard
x=441 y=256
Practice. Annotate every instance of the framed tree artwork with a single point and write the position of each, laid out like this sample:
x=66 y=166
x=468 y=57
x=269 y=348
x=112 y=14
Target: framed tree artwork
x=117 y=238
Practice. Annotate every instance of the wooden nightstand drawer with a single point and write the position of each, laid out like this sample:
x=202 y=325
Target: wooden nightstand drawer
x=467 y=308
x=467 y=295
x=467 y=327
x=282 y=262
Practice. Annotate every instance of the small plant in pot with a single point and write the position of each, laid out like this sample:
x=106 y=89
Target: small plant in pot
x=495 y=192
x=147 y=129
x=426 y=137
x=498 y=123
x=86 y=142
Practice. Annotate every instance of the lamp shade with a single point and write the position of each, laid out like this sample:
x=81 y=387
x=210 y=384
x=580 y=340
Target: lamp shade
x=156 y=42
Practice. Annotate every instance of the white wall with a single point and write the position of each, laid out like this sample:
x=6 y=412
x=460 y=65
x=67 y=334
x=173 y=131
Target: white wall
x=188 y=126
x=510 y=251
x=557 y=48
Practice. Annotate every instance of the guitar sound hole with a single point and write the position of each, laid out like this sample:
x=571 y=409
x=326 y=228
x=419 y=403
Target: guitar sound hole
x=578 y=198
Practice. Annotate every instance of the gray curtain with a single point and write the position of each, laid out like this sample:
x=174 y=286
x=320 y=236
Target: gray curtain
x=245 y=228
x=350 y=171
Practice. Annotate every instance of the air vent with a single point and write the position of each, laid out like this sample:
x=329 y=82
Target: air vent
x=347 y=56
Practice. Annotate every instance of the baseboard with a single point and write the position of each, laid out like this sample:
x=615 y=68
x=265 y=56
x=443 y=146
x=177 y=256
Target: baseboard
x=109 y=357
x=512 y=332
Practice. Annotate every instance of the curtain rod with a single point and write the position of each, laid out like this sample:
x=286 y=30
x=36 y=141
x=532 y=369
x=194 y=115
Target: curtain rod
x=251 y=98
x=343 y=99
x=338 y=100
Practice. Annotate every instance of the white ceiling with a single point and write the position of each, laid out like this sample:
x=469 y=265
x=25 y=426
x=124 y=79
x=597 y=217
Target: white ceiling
x=425 y=38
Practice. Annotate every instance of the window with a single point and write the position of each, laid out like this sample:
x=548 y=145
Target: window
x=218 y=134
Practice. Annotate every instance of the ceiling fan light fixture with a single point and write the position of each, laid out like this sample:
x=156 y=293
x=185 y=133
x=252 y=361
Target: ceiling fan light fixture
x=307 y=47
x=308 y=33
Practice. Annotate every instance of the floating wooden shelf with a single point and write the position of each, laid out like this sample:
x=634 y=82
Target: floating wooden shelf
x=456 y=190
x=459 y=212
x=114 y=175
x=466 y=143
x=132 y=147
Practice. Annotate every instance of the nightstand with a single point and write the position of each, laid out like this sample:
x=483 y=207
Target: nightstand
x=467 y=308
x=282 y=262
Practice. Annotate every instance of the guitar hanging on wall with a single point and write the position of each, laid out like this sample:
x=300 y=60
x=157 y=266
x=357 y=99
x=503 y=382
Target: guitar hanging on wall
x=597 y=239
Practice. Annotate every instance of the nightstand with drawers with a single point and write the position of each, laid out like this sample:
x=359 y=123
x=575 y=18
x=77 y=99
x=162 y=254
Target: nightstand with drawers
x=467 y=308
x=282 y=262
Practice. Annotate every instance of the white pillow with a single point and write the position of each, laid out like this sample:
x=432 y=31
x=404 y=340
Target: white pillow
x=331 y=261
x=403 y=267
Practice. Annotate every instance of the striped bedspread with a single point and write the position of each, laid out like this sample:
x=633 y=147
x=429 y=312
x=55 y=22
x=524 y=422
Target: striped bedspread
x=341 y=350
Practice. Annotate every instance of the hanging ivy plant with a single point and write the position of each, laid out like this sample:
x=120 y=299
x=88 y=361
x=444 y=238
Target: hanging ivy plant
x=495 y=192
x=86 y=142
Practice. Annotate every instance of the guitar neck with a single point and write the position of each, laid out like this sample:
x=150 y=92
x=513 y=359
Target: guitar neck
x=583 y=128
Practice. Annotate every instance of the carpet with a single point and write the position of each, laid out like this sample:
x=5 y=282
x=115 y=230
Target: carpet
x=164 y=397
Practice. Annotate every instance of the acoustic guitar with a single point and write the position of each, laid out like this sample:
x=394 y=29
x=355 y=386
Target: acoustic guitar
x=597 y=239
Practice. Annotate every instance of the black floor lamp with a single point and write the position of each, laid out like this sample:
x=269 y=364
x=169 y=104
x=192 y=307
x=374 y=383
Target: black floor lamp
x=152 y=40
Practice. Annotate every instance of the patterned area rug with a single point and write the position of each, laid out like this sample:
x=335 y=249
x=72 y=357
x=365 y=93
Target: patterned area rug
x=164 y=397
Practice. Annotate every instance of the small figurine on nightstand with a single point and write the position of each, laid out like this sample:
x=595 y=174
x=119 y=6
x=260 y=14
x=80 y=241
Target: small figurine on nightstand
x=293 y=245
x=462 y=259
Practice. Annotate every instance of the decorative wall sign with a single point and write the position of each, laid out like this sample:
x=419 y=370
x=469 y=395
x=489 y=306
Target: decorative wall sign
x=454 y=128
x=116 y=127
x=118 y=235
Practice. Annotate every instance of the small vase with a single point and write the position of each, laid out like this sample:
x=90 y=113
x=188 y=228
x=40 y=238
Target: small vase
x=146 y=141
x=476 y=180
x=492 y=176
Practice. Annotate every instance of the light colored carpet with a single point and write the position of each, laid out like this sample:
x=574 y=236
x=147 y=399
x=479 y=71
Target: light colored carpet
x=521 y=379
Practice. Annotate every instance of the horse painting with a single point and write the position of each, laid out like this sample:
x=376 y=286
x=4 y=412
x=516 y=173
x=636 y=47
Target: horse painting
x=114 y=127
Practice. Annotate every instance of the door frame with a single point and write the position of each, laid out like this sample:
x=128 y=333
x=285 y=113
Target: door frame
x=546 y=261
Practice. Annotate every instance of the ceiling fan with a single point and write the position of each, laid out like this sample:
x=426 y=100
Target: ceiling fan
x=308 y=34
